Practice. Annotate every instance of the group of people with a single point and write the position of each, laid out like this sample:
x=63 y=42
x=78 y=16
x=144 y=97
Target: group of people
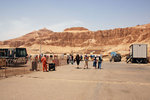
x=86 y=59
x=45 y=60
x=99 y=61
x=70 y=59
x=50 y=62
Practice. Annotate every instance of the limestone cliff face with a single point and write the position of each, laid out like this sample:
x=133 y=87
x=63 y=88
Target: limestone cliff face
x=119 y=36
x=100 y=38
x=76 y=29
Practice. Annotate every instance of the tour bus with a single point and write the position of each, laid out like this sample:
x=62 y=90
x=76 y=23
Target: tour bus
x=14 y=55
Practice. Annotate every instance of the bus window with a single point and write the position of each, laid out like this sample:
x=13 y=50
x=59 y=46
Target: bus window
x=11 y=53
x=21 y=52
x=3 y=52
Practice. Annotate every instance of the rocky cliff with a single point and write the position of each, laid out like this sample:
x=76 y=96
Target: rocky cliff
x=76 y=29
x=85 y=40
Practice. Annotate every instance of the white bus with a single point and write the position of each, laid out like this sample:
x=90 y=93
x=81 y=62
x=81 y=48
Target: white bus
x=14 y=55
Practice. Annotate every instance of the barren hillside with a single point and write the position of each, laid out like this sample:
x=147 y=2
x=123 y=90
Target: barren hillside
x=101 y=41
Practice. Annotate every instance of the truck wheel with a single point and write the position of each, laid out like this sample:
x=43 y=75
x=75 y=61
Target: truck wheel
x=139 y=60
x=145 y=61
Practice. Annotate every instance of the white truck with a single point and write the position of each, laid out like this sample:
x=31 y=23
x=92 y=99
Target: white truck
x=138 y=53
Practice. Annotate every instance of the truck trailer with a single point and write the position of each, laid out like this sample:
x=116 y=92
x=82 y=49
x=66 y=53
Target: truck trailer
x=138 y=53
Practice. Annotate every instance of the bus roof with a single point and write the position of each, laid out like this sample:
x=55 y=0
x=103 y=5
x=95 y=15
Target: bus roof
x=10 y=48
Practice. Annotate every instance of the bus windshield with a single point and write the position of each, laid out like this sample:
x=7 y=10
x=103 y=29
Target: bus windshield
x=3 y=52
x=21 y=52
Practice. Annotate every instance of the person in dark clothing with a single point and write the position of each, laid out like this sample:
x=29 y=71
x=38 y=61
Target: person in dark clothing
x=99 y=62
x=68 y=59
x=81 y=57
x=94 y=62
x=72 y=61
x=78 y=60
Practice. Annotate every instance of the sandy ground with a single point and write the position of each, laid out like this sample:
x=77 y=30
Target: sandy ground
x=116 y=81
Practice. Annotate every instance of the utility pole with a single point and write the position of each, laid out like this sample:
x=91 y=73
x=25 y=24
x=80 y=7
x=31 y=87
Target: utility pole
x=40 y=47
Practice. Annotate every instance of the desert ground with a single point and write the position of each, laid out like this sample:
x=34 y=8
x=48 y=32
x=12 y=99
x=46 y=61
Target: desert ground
x=115 y=81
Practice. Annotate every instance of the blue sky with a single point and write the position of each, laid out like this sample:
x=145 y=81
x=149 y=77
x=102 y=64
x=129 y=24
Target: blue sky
x=19 y=17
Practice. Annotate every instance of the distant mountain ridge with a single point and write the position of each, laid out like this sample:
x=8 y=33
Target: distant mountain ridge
x=84 y=38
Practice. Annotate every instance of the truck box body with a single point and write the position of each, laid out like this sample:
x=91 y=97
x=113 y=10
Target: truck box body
x=138 y=50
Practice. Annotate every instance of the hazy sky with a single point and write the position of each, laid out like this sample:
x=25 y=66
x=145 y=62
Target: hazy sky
x=18 y=17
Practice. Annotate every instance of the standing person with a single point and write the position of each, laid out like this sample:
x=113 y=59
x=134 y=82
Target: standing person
x=81 y=57
x=30 y=58
x=36 y=58
x=72 y=59
x=86 y=58
x=40 y=58
x=94 y=62
x=99 y=62
x=78 y=60
x=68 y=59
x=36 y=62
x=44 y=61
